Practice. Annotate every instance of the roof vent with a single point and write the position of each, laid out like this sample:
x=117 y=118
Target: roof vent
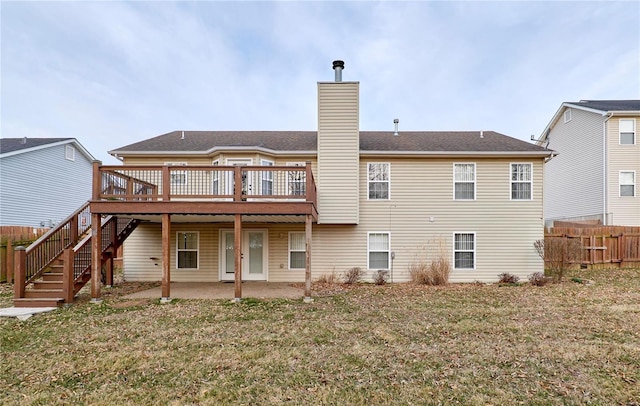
x=395 y=124
x=23 y=141
x=481 y=134
x=338 y=66
x=182 y=137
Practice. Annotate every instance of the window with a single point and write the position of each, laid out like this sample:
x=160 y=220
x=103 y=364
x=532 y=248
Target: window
x=267 y=178
x=177 y=177
x=627 y=131
x=567 y=115
x=378 y=251
x=297 y=251
x=297 y=180
x=69 y=153
x=627 y=183
x=187 y=247
x=464 y=178
x=378 y=181
x=464 y=251
x=521 y=175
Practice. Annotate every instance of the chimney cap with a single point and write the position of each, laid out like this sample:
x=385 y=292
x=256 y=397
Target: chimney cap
x=338 y=64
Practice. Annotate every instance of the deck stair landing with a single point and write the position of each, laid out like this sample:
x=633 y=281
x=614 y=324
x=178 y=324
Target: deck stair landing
x=63 y=256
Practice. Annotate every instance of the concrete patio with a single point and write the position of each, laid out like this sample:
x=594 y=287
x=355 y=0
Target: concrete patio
x=222 y=290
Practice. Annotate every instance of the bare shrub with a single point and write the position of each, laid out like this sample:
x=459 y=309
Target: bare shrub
x=328 y=278
x=537 y=279
x=431 y=265
x=380 y=277
x=353 y=275
x=508 y=278
x=558 y=254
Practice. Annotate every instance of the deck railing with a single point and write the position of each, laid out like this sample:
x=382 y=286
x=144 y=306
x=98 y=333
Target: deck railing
x=197 y=183
x=47 y=248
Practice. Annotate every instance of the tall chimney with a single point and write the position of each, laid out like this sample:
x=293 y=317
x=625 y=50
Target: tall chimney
x=338 y=66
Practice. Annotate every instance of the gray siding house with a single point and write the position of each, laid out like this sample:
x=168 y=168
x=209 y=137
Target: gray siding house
x=42 y=180
x=595 y=175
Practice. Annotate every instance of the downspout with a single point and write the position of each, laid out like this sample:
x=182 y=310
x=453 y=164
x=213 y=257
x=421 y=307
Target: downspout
x=605 y=189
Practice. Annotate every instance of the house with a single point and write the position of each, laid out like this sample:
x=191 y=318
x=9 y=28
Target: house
x=292 y=206
x=595 y=175
x=42 y=180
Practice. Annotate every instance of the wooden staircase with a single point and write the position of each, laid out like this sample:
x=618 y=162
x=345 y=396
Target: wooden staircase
x=55 y=267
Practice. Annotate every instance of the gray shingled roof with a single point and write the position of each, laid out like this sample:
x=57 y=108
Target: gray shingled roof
x=610 y=105
x=306 y=141
x=17 y=144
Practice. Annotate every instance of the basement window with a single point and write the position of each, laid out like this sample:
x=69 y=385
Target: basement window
x=297 y=250
x=187 y=246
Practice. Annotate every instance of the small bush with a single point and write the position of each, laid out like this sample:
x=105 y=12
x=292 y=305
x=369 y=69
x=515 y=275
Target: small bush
x=508 y=278
x=433 y=272
x=353 y=275
x=559 y=254
x=328 y=278
x=380 y=277
x=537 y=279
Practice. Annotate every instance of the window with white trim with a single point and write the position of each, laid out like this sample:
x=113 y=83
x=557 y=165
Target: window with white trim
x=521 y=181
x=378 y=251
x=177 y=177
x=627 y=180
x=267 y=178
x=627 y=131
x=378 y=184
x=187 y=247
x=464 y=179
x=464 y=250
x=297 y=250
x=297 y=180
x=567 y=115
x=69 y=153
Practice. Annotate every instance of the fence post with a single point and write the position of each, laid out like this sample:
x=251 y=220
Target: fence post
x=10 y=261
x=68 y=275
x=20 y=262
x=166 y=183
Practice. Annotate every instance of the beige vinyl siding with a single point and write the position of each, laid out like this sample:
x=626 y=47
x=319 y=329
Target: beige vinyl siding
x=338 y=152
x=625 y=209
x=146 y=243
x=422 y=212
x=574 y=184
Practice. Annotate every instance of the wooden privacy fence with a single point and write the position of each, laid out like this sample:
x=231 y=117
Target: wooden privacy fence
x=604 y=246
x=11 y=237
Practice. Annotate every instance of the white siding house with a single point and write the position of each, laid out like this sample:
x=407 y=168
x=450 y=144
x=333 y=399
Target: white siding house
x=594 y=176
x=42 y=180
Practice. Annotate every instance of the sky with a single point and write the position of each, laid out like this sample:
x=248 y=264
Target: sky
x=114 y=73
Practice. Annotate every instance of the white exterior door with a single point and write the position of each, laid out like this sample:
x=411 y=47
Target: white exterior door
x=254 y=255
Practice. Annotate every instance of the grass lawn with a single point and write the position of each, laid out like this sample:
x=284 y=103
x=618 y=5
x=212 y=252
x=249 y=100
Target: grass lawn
x=567 y=343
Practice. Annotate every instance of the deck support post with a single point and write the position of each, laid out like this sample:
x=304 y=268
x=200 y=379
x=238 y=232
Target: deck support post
x=307 y=263
x=237 y=271
x=10 y=261
x=68 y=275
x=96 y=258
x=114 y=249
x=20 y=262
x=166 y=258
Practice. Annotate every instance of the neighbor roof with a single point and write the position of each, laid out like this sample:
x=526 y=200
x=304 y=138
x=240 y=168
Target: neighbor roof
x=15 y=146
x=621 y=107
x=301 y=142
x=609 y=105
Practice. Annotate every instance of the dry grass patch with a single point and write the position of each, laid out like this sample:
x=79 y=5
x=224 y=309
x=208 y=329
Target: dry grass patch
x=561 y=344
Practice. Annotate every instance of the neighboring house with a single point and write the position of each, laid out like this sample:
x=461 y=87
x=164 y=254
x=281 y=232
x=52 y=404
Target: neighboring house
x=313 y=203
x=42 y=180
x=595 y=175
